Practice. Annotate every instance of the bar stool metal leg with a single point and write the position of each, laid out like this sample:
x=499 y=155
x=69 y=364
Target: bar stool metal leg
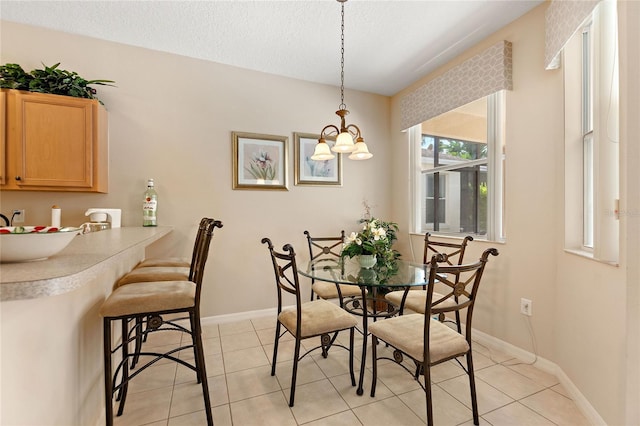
x=125 y=367
x=108 y=386
x=201 y=369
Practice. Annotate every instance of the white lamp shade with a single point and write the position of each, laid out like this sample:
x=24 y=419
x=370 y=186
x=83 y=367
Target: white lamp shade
x=344 y=143
x=361 y=152
x=322 y=152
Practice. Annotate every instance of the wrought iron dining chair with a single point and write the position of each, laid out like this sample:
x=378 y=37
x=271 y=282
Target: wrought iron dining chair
x=413 y=299
x=428 y=342
x=305 y=320
x=328 y=248
x=157 y=305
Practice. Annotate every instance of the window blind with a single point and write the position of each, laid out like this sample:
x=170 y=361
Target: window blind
x=481 y=75
x=562 y=19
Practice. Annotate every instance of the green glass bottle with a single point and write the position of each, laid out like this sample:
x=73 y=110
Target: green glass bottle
x=150 y=206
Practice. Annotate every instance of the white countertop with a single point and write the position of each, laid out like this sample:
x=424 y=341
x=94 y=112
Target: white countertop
x=82 y=258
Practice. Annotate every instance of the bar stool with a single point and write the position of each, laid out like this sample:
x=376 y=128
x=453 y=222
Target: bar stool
x=175 y=261
x=166 y=269
x=146 y=303
x=163 y=269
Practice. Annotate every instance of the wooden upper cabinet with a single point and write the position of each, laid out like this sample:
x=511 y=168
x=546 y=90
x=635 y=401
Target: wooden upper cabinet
x=3 y=137
x=54 y=143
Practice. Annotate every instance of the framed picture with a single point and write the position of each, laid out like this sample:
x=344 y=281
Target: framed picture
x=259 y=161
x=312 y=172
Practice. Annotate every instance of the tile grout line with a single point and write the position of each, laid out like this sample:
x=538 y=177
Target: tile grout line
x=393 y=394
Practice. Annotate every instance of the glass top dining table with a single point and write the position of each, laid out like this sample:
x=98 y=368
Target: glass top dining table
x=348 y=271
x=373 y=282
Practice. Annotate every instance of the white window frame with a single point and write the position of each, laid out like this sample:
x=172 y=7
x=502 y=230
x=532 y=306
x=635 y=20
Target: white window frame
x=591 y=137
x=588 y=193
x=495 y=176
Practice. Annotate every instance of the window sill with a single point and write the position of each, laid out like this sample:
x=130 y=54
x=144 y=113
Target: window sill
x=457 y=237
x=589 y=255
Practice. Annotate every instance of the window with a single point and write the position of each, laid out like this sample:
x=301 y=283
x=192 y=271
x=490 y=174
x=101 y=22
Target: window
x=458 y=158
x=587 y=136
x=436 y=198
x=591 y=137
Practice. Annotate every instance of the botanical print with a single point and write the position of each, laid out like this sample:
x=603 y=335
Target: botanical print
x=314 y=172
x=262 y=166
x=259 y=161
x=317 y=169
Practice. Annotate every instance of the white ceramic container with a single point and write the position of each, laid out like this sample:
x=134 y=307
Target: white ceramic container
x=27 y=243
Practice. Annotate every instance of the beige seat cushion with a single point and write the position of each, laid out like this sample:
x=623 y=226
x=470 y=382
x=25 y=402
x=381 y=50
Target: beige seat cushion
x=416 y=300
x=169 y=261
x=318 y=317
x=406 y=333
x=328 y=290
x=146 y=297
x=155 y=273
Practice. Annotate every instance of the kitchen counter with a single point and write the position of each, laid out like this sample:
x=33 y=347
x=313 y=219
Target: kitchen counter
x=87 y=256
x=51 y=329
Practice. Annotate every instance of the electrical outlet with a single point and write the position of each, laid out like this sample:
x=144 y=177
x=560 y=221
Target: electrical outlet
x=17 y=216
x=525 y=306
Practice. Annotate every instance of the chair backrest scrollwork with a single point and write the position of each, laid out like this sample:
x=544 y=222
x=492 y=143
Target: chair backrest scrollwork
x=465 y=284
x=286 y=272
x=201 y=253
x=454 y=252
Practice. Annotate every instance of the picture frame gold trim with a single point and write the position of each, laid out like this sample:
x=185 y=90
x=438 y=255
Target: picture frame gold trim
x=260 y=161
x=308 y=172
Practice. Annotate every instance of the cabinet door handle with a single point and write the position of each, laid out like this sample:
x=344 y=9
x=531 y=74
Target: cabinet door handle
x=18 y=178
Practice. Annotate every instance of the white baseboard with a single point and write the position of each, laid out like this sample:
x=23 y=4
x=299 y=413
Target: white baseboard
x=583 y=405
x=548 y=367
x=240 y=316
x=516 y=352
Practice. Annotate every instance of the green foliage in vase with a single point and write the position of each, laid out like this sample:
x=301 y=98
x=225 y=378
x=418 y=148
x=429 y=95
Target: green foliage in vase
x=51 y=80
x=376 y=237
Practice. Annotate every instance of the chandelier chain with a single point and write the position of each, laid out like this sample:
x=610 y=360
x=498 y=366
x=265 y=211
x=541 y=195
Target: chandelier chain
x=348 y=138
x=342 y=104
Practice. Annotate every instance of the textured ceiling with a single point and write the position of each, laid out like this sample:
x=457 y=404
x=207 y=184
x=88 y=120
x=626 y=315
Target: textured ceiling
x=388 y=44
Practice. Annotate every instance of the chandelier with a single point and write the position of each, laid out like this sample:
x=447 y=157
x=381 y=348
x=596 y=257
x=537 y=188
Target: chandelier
x=347 y=133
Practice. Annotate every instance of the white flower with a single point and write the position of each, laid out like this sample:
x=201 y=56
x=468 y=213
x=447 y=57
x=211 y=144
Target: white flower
x=378 y=233
x=351 y=238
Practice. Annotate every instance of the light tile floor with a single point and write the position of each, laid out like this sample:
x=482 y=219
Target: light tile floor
x=238 y=359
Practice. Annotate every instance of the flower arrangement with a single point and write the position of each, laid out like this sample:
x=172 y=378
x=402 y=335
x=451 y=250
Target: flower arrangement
x=375 y=238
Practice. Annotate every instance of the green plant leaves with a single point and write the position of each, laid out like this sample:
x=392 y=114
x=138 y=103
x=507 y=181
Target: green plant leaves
x=12 y=76
x=50 y=80
x=366 y=242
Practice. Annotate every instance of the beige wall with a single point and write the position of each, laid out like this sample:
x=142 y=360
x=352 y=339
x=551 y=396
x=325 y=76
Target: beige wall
x=171 y=118
x=579 y=314
x=630 y=191
x=526 y=265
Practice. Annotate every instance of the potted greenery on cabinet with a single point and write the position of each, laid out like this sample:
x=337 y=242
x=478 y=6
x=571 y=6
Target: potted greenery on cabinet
x=50 y=80
x=54 y=137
